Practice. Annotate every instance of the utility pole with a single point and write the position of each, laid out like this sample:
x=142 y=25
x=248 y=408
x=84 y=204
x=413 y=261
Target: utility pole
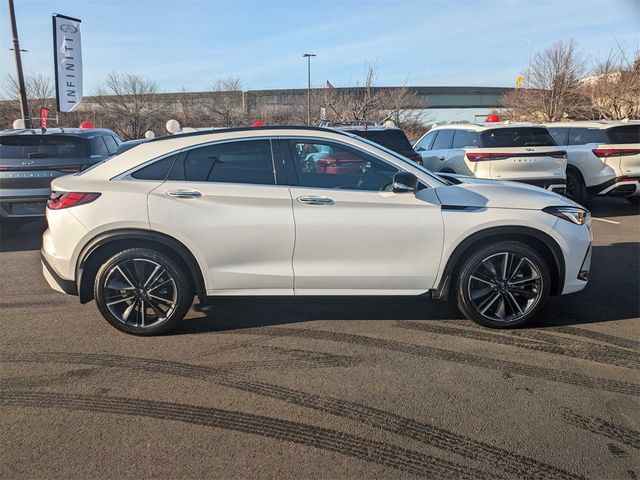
x=528 y=64
x=308 y=57
x=24 y=107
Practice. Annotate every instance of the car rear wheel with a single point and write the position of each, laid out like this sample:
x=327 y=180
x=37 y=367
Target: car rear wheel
x=142 y=292
x=576 y=189
x=503 y=285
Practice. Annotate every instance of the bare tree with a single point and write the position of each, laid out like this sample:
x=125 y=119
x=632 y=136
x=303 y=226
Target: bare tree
x=225 y=107
x=40 y=94
x=403 y=107
x=130 y=104
x=362 y=102
x=554 y=91
x=614 y=86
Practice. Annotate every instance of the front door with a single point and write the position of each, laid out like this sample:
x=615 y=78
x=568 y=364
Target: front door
x=353 y=234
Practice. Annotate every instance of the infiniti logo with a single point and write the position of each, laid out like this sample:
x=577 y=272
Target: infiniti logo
x=28 y=162
x=529 y=149
x=67 y=28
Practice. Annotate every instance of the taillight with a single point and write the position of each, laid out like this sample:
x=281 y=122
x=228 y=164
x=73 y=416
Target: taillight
x=614 y=152
x=60 y=200
x=480 y=157
x=65 y=168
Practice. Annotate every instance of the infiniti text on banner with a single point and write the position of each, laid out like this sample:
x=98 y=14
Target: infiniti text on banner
x=68 y=62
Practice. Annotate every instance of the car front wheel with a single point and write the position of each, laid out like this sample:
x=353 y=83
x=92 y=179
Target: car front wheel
x=503 y=285
x=142 y=292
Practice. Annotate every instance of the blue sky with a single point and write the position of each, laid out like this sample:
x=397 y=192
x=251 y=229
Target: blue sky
x=192 y=43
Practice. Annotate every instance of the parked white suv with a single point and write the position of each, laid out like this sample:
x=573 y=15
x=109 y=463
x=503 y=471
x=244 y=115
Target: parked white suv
x=498 y=151
x=235 y=212
x=603 y=158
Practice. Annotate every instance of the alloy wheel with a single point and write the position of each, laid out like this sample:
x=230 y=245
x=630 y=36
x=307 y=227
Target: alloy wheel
x=505 y=287
x=140 y=293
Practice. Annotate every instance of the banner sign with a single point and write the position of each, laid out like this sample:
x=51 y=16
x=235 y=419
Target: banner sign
x=67 y=57
x=44 y=114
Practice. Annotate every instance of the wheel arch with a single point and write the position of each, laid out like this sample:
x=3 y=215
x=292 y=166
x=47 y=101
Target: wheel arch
x=107 y=244
x=544 y=244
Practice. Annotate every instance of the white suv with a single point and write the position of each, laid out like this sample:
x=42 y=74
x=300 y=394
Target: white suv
x=499 y=151
x=237 y=212
x=603 y=157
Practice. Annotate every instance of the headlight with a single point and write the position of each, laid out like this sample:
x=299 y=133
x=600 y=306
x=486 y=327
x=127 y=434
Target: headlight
x=576 y=215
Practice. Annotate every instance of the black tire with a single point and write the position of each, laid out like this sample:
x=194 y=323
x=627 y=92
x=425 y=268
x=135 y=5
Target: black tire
x=126 y=282
x=634 y=200
x=472 y=298
x=576 y=189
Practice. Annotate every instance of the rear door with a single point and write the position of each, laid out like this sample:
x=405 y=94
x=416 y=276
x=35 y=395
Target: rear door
x=518 y=153
x=226 y=203
x=582 y=141
x=456 y=156
x=435 y=160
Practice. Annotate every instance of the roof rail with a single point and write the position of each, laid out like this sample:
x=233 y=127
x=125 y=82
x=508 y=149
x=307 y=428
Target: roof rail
x=247 y=129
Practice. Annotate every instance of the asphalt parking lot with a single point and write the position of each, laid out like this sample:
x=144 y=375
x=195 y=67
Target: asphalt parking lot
x=325 y=388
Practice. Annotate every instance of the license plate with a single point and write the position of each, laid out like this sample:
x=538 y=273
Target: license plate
x=27 y=208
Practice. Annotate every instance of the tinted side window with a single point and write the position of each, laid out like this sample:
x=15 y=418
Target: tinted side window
x=426 y=142
x=247 y=161
x=465 y=138
x=560 y=135
x=443 y=140
x=112 y=146
x=393 y=139
x=517 y=137
x=331 y=165
x=157 y=170
x=625 y=134
x=98 y=147
x=582 y=136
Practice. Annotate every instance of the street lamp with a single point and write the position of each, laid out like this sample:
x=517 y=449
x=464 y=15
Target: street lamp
x=308 y=57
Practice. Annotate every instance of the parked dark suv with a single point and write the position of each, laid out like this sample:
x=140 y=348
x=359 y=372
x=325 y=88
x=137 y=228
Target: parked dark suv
x=389 y=137
x=30 y=159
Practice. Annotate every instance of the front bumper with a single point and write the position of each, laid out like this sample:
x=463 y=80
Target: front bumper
x=626 y=186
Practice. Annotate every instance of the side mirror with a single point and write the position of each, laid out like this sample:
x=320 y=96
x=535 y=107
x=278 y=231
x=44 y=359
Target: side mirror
x=405 y=182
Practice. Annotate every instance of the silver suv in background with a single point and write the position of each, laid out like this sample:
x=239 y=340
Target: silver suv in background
x=603 y=158
x=498 y=151
x=30 y=159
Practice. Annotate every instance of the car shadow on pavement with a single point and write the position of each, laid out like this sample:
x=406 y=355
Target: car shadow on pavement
x=21 y=235
x=612 y=294
x=613 y=207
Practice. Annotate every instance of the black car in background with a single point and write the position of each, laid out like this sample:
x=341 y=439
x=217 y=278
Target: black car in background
x=392 y=138
x=30 y=159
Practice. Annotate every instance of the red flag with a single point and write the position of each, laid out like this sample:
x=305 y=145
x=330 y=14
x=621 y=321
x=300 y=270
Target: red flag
x=44 y=114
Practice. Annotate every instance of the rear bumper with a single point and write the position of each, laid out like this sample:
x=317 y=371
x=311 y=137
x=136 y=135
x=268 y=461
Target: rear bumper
x=558 y=185
x=54 y=280
x=626 y=186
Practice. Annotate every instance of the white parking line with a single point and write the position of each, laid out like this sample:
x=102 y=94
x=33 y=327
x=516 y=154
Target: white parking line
x=604 y=220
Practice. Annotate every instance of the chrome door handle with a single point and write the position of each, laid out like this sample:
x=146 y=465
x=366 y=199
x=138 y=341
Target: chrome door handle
x=184 y=193
x=316 y=200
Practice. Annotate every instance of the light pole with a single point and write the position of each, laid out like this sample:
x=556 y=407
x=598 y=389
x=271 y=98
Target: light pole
x=16 y=50
x=528 y=64
x=308 y=57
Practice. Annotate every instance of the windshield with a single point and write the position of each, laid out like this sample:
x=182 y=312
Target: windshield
x=400 y=157
x=41 y=146
x=624 y=134
x=516 y=137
